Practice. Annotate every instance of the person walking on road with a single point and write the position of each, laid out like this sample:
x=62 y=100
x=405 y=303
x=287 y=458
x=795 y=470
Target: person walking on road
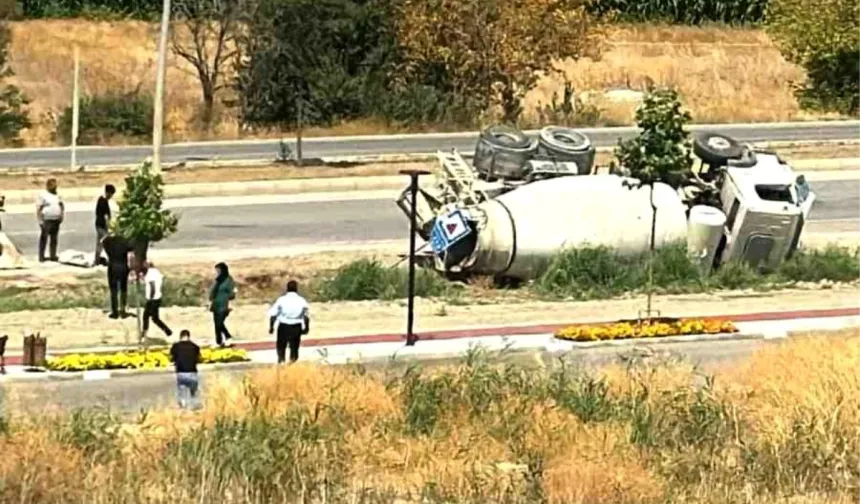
x=153 y=281
x=102 y=220
x=117 y=250
x=222 y=291
x=50 y=211
x=185 y=355
x=292 y=314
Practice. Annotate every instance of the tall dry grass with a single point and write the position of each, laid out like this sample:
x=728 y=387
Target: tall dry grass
x=724 y=74
x=782 y=427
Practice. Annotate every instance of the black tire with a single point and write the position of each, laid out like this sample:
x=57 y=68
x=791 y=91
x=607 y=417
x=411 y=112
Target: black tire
x=716 y=149
x=567 y=144
x=747 y=160
x=502 y=152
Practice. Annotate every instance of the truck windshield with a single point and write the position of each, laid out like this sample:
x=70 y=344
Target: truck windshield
x=780 y=193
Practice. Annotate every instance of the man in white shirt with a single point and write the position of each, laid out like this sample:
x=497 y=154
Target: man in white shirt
x=153 y=281
x=50 y=211
x=291 y=313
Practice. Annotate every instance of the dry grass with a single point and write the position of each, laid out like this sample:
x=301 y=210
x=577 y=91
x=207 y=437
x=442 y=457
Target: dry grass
x=485 y=433
x=702 y=62
x=723 y=74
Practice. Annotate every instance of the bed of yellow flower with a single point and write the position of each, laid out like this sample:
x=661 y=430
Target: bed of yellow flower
x=139 y=359
x=645 y=329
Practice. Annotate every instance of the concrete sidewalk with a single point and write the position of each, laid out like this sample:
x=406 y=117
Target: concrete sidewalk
x=452 y=344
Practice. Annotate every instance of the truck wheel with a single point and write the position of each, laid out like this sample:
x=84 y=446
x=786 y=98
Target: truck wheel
x=715 y=149
x=567 y=144
x=502 y=151
x=747 y=160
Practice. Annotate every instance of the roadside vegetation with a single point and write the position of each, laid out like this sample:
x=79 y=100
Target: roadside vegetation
x=581 y=274
x=239 y=70
x=781 y=427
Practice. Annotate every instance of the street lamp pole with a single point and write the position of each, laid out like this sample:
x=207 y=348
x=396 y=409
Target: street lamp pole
x=158 y=112
x=410 y=310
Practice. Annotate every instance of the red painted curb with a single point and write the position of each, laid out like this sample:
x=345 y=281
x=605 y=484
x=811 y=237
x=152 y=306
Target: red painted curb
x=518 y=330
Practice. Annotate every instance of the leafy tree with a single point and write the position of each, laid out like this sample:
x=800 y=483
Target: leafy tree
x=141 y=220
x=660 y=153
x=13 y=114
x=491 y=52
x=823 y=37
x=330 y=54
x=207 y=42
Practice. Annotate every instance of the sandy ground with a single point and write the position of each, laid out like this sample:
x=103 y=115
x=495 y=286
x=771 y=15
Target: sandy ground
x=82 y=327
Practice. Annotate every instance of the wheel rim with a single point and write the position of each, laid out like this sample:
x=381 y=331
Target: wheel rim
x=718 y=143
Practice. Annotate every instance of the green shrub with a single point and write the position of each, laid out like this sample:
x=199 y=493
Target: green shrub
x=370 y=279
x=106 y=117
x=691 y=12
x=826 y=44
x=93 y=9
x=834 y=263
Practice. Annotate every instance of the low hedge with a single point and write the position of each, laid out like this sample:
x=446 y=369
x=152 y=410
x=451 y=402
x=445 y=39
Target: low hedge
x=136 y=359
x=645 y=329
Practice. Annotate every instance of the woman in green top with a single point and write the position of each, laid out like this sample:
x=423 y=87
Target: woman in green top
x=219 y=297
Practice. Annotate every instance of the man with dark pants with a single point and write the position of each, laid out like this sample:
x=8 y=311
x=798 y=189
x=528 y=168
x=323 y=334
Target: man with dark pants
x=50 y=211
x=102 y=220
x=153 y=281
x=117 y=250
x=185 y=355
x=291 y=313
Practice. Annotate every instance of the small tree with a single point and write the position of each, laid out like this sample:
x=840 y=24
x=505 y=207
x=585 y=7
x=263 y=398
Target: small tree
x=13 y=114
x=492 y=52
x=141 y=220
x=822 y=36
x=208 y=43
x=660 y=153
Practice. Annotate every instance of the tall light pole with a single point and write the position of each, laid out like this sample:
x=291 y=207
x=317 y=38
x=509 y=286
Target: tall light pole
x=75 y=109
x=413 y=213
x=158 y=109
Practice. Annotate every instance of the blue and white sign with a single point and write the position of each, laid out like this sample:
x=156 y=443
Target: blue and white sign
x=448 y=230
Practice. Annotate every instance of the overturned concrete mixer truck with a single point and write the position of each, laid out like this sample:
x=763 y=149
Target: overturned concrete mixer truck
x=524 y=200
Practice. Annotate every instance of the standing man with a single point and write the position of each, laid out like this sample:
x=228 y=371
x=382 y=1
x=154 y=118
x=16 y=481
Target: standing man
x=153 y=281
x=50 y=211
x=292 y=314
x=185 y=355
x=102 y=220
x=117 y=250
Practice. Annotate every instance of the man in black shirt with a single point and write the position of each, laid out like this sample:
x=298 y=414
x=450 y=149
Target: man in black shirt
x=185 y=355
x=102 y=220
x=117 y=250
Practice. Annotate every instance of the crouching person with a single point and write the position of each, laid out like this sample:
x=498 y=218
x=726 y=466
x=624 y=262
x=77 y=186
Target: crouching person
x=185 y=355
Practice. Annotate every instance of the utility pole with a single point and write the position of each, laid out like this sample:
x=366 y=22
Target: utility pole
x=158 y=110
x=299 y=132
x=410 y=311
x=75 y=109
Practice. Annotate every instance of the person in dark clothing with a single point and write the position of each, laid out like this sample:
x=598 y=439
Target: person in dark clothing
x=292 y=314
x=185 y=355
x=222 y=291
x=117 y=250
x=102 y=220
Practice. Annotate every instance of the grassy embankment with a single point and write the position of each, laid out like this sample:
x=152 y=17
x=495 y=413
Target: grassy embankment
x=585 y=274
x=780 y=428
x=701 y=62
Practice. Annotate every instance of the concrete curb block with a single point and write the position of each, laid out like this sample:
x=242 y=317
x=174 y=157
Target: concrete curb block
x=543 y=343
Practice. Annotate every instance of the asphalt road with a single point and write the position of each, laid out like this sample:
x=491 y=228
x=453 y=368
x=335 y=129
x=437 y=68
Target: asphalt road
x=252 y=150
x=291 y=224
x=132 y=394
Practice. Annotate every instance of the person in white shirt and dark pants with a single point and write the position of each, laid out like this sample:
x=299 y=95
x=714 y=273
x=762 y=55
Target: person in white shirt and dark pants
x=153 y=281
x=50 y=211
x=291 y=313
